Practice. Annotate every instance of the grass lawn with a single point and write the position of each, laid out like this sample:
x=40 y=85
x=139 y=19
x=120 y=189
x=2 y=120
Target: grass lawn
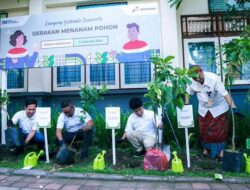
x=126 y=164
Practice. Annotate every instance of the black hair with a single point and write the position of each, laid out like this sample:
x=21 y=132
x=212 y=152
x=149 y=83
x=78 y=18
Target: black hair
x=135 y=103
x=29 y=102
x=14 y=36
x=66 y=103
x=195 y=68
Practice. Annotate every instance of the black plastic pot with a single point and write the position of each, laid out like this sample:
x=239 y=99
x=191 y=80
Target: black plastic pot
x=233 y=161
x=14 y=137
x=65 y=155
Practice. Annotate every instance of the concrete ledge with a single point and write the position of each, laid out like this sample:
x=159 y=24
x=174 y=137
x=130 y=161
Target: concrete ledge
x=6 y=171
x=67 y=175
x=117 y=177
x=111 y=177
x=33 y=172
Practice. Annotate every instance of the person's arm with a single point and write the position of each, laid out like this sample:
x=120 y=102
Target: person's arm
x=219 y=86
x=88 y=125
x=229 y=100
x=30 y=136
x=59 y=127
x=124 y=136
x=59 y=134
x=187 y=99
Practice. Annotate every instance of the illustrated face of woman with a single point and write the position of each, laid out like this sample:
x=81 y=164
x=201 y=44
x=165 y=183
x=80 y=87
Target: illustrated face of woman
x=19 y=40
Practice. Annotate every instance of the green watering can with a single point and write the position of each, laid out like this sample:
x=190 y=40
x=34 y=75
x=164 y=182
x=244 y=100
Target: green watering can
x=99 y=163
x=176 y=165
x=31 y=158
x=247 y=169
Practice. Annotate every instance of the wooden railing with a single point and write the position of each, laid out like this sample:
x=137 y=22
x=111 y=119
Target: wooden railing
x=213 y=25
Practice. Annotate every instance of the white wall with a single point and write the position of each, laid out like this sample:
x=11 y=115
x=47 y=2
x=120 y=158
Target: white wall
x=189 y=7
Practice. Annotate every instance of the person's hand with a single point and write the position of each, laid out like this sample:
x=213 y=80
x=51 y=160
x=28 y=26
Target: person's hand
x=61 y=142
x=86 y=128
x=237 y=112
x=26 y=142
x=119 y=141
x=10 y=123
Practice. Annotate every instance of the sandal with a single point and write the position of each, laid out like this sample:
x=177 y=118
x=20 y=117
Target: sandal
x=202 y=156
x=219 y=159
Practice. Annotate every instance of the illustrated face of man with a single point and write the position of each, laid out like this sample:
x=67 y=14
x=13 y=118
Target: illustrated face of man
x=139 y=111
x=69 y=111
x=133 y=33
x=30 y=110
x=19 y=41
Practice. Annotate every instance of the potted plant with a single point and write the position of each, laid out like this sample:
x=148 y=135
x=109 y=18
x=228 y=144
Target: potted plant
x=237 y=54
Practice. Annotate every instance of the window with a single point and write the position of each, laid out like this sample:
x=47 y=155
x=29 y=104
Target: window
x=201 y=52
x=15 y=79
x=243 y=78
x=68 y=77
x=222 y=5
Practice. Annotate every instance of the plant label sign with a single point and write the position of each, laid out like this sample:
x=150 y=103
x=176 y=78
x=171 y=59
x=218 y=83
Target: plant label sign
x=43 y=117
x=185 y=117
x=112 y=117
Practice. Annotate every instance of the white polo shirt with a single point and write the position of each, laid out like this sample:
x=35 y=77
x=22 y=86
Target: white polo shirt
x=145 y=124
x=74 y=123
x=25 y=123
x=213 y=91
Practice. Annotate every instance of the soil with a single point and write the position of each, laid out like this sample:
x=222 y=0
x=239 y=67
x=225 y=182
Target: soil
x=125 y=160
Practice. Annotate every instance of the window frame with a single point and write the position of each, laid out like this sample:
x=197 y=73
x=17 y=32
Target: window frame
x=115 y=86
x=133 y=86
x=25 y=83
x=194 y=40
x=72 y=88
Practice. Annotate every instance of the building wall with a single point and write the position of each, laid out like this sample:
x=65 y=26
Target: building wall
x=40 y=80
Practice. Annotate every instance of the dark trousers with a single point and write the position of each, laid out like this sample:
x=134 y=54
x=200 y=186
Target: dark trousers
x=37 y=139
x=86 y=137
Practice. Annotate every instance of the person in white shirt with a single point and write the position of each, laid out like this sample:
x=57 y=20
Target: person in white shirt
x=214 y=102
x=77 y=123
x=27 y=122
x=141 y=128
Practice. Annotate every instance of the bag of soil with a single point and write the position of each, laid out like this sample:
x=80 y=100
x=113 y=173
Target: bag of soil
x=155 y=160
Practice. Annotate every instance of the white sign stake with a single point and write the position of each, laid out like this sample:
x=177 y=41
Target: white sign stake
x=186 y=120
x=43 y=119
x=113 y=122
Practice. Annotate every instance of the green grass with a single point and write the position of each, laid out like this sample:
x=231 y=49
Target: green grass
x=16 y=162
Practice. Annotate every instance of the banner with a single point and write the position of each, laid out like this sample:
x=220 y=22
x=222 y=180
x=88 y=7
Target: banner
x=116 y=34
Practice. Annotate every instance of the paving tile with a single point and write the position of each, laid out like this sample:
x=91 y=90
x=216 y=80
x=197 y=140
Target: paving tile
x=20 y=184
x=89 y=187
x=53 y=186
x=3 y=177
x=219 y=186
x=6 y=183
x=37 y=185
x=200 y=186
x=13 y=178
x=166 y=186
x=183 y=186
x=128 y=184
x=239 y=186
x=70 y=187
